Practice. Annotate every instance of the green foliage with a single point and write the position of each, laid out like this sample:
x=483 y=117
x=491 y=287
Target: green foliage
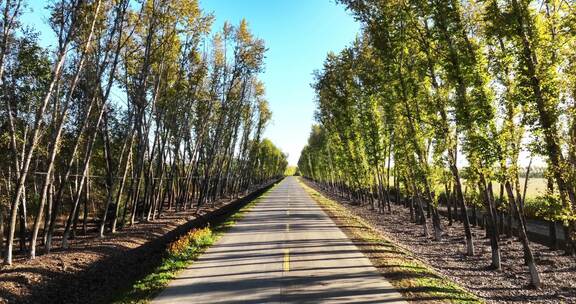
x=143 y=91
x=291 y=171
x=271 y=161
x=433 y=88
x=548 y=207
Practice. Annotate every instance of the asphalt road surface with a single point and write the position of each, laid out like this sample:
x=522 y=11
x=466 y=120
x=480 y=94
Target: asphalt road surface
x=285 y=250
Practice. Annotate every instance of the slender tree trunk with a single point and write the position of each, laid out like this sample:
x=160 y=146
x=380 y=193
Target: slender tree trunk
x=494 y=243
x=547 y=119
x=34 y=139
x=528 y=256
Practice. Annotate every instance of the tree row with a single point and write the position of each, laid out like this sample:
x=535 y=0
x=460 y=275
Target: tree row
x=136 y=108
x=436 y=100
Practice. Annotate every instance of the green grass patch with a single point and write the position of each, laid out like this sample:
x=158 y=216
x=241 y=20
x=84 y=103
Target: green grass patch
x=179 y=255
x=412 y=277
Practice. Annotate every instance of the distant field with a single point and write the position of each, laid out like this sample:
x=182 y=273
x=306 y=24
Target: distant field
x=536 y=187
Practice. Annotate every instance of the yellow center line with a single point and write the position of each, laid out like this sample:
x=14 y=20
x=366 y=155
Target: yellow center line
x=286 y=260
x=287 y=251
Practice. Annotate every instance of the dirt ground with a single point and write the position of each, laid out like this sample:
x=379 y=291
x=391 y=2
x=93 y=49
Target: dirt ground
x=510 y=285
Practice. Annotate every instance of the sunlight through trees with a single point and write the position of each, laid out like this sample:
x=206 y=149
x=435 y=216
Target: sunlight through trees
x=435 y=100
x=138 y=108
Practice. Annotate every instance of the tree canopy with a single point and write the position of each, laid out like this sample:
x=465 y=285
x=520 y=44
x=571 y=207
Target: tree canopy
x=138 y=108
x=432 y=87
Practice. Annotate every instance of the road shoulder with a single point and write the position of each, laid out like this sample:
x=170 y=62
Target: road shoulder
x=414 y=279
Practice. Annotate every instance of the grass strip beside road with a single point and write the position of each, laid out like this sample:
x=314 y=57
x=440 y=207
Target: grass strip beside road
x=415 y=280
x=179 y=255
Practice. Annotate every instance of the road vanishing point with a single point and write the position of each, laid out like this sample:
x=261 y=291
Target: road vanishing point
x=285 y=250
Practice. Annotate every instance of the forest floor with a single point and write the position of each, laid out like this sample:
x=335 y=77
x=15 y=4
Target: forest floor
x=93 y=269
x=510 y=285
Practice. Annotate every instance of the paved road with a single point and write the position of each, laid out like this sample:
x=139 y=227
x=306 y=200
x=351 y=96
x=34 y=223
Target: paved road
x=285 y=250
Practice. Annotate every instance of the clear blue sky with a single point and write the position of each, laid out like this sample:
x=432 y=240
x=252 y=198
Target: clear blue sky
x=298 y=34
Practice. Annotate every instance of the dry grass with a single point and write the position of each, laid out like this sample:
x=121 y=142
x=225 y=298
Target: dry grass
x=536 y=187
